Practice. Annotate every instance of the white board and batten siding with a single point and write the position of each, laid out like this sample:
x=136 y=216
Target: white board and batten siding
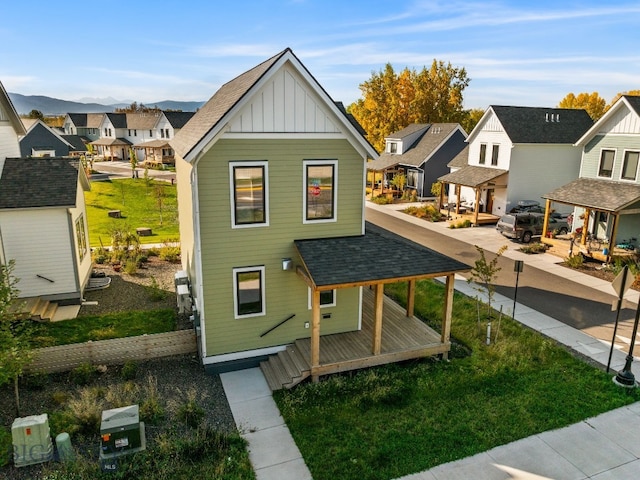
x=9 y=145
x=624 y=122
x=287 y=104
x=41 y=244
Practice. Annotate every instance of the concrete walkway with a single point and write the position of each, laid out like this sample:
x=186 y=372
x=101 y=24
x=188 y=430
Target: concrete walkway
x=606 y=447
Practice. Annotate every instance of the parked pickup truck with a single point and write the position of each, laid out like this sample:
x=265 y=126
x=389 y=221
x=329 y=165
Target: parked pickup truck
x=525 y=226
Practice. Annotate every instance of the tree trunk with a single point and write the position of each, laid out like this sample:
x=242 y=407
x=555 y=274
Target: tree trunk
x=17 y=394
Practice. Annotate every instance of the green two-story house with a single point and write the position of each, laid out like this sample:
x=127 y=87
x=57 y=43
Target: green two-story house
x=269 y=162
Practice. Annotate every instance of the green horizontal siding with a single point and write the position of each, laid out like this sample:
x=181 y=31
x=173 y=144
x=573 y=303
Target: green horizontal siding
x=619 y=143
x=225 y=248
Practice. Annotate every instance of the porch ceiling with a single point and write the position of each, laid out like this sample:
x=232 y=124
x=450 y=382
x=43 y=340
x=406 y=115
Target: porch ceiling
x=602 y=195
x=379 y=256
x=472 y=176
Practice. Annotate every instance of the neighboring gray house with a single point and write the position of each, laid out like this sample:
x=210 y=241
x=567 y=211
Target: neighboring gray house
x=518 y=153
x=606 y=196
x=421 y=152
x=44 y=141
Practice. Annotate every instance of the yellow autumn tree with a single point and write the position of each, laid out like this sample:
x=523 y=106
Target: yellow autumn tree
x=593 y=103
x=391 y=101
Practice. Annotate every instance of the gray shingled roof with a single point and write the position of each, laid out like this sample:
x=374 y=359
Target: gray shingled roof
x=178 y=119
x=460 y=160
x=472 y=176
x=408 y=130
x=534 y=124
x=605 y=195
x=141 y=120
x=634 y=101
x=78 y=119
x=118 y=120
x=222 y=101
x=38 y=182
x=376 y=256
x=111 y=142
x=419 y=151
x=76 y=141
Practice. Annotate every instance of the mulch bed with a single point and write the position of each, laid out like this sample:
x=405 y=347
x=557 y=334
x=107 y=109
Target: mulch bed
x=174 y=375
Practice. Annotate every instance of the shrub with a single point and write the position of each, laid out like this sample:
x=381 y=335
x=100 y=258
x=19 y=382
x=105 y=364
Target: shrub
x=461 y=224
x=576 y=261
x=188 y=410
x=83 y=374
x=35 y=380
x=87 y=408
x=382 y=200
x=130 y=266
x=59 y=397
x=151 y=409
x=536 y=247
x=129 y=370
x=170 y=250
x=5 y=446
x=63 y=421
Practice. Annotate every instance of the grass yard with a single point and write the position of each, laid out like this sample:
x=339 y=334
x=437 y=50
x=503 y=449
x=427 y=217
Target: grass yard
x=103 y=327
x=390 y=421
x=139 y=204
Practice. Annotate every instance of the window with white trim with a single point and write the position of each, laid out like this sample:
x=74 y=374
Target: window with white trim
x=495 y=150
x=320 y=187
x=630 y=166
x=327 y=298
x=81 y=237
x=483 y=154
x=607 y=157
x=248 y=292
x=412 y=178
x=249 y=194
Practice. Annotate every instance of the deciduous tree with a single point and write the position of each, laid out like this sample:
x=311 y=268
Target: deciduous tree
x=593 y=103
x=391 y=101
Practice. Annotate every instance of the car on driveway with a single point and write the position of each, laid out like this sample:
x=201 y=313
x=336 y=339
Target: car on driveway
x=524 y=226
x=527 y=206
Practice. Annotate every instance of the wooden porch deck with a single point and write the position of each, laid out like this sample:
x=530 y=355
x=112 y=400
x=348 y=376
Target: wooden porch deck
x=483 y=218
x=403 y=338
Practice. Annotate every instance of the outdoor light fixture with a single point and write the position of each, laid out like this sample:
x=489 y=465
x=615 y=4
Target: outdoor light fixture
x=287 y=264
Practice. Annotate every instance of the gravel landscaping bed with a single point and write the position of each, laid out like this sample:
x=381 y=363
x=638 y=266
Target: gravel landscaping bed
x=177 y=377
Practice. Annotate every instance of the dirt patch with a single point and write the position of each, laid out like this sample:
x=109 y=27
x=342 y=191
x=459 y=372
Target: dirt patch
x=598 y=270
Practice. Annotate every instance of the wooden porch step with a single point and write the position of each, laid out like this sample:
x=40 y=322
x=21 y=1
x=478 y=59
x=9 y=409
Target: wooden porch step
x=283 y=369
x=41 y=310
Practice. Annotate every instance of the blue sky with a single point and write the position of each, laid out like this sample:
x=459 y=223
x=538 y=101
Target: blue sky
x=515 y=52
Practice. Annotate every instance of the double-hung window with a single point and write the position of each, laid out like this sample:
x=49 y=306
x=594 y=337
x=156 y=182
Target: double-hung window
x=248 y=292
x=495 y=150
x=630 y=166
x=320 y=191
x=606 y=163
x=483 y=154
x=249 y=194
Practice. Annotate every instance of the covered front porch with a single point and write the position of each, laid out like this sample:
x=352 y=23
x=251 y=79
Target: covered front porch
x=402 y=337
x=387 y=334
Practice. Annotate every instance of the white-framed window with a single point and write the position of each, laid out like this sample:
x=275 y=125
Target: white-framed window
x=320 y=191
x=81 y=237
x=495 y=150
x=483 y=154
x=248 y=292
x=412 y=178
x=630 y=166
x=327 y=298
x=607 y=157
x=392 y=147
x=249 y=186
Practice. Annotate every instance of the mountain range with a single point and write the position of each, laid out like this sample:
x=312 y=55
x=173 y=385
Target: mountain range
x=55 y=106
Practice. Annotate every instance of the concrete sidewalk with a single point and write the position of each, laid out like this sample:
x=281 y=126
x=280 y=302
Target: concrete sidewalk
x=605 y=447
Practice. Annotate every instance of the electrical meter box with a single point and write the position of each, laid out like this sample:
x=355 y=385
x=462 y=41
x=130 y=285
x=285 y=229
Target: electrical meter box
x=121 y=431
x=31 y=440
x=181 y=278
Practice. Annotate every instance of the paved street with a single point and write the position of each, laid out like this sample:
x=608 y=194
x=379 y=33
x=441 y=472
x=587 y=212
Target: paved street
x=579 y=306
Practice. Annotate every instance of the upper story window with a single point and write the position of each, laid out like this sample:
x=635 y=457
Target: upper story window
x=81 y=237
x=249 y=194
x=494 y=155
x=320 y=185
x=630 y=166
x=392 y=147
x=151 y=133
x=166 y=133
x=606 y=163
x=161 y=133
x=248 y=292
x=483 y=153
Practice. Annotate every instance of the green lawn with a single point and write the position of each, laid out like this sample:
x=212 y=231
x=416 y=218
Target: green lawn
x=104 y=327
x=395 y=420
x=138 y=202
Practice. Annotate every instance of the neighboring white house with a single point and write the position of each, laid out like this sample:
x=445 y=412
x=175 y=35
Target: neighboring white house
x=43 y=221
x=518 y=153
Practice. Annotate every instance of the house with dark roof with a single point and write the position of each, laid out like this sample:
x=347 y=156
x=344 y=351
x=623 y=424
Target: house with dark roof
x=421 y=153
x=517 y=153
x=43 y=141
x=85 y=125
x=157 y=151
x=606 y=195
x=270 y=175
x=43 y=222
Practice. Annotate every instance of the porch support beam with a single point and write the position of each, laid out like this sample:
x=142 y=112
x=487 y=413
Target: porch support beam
x=476 y=210
x=315 y=334
x=545 y=224
x=377 y=318
x=446 y=314
x=457 y=198
x=411 y=294
x=585 y=226
x=614 y=233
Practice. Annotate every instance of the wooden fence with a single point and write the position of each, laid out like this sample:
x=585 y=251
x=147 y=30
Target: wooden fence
x=113 y=352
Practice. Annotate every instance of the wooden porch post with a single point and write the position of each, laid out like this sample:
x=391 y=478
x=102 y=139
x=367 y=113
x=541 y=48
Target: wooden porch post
x=614 y=232
x=315 y=334
x=545 y=224
x=377 y=319
x=585 y=226
x=411 y=294
x=477 y=209
x=457 y=198
x=446 y=313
